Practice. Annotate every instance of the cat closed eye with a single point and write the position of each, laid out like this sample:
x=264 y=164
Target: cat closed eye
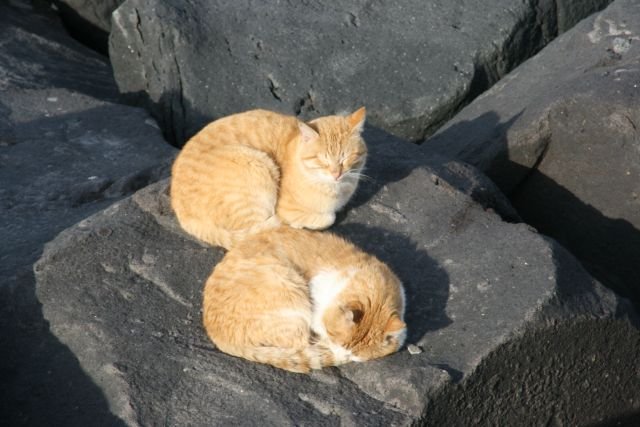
x=353 y=164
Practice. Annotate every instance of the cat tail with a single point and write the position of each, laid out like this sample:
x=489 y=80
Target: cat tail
x=292 y=359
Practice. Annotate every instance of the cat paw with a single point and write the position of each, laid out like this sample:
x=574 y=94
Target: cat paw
x=314 y=221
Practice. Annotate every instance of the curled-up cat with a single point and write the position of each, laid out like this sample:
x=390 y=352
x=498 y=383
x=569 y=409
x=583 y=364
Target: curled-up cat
x=300 y=300
x=256 y=170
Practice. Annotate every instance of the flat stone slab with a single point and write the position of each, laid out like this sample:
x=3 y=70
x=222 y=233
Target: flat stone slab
x=123 y=290
x=412 y=64
x=560 y=135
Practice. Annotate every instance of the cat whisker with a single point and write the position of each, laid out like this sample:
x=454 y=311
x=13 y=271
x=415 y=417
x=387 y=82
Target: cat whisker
x=360 y=176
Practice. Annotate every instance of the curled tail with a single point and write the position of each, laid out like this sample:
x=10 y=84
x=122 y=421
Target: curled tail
x=291 y=359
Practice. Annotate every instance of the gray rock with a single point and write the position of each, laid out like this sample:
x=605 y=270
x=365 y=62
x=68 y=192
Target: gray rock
x=413 y=64
x=560 y=136
x=66 y=152
x=123 y=290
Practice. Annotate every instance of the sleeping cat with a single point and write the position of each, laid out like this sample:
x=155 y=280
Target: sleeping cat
x=258 y=169
x=300 y=300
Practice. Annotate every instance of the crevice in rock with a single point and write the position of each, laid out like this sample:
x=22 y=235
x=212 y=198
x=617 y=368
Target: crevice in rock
x=102 y=189
x=139 y=26
x=544 y=142
x=529 y=37
x=566 y=195
x=82 y=30
x=178 y=112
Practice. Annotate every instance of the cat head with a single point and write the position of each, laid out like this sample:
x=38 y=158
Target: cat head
x=331 y=148
x=368 y=317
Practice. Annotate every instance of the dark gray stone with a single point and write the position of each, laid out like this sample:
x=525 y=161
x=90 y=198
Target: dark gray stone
x=560 y=136
x=123 y=290
x=412 y=64
x=37 y=54
x=66 y=152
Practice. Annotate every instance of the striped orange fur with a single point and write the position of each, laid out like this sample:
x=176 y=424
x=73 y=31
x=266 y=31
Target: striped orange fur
x=256 y=170
x=300 y=300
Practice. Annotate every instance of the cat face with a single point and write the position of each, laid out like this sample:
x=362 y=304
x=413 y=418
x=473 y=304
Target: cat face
x=331 y=148
x=369 y=327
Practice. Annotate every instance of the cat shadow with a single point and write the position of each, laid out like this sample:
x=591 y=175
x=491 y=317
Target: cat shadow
x=392 y=159
x=389 y=159
x=425 y=282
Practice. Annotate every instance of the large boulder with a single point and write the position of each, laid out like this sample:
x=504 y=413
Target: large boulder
x=412 y=63
x=560 y=135
x=492 y=309
x=66 y=152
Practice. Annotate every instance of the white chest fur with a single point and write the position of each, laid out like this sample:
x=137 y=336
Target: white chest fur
x=324 y=288
x=346 y=188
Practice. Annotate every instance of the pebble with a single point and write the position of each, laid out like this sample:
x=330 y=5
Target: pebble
x=414 y=349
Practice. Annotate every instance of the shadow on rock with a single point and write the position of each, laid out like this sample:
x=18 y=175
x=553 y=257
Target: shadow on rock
x=91 y=158
x=426 y=283
x=392 y=159
x=485 y=149
x=176 y=116
x=43 y=382
x=607 y=247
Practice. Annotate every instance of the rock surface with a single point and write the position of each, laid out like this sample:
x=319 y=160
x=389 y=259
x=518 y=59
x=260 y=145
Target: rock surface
x=123 y=290
x=66 y=152
x=560 y=136
x=413 y=64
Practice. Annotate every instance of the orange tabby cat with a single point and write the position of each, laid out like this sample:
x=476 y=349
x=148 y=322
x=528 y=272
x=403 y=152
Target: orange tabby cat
x=301 y=300
x=255 y=170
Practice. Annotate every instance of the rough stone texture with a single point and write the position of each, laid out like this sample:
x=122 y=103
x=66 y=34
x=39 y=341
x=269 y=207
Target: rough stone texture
x=413 y=64
x=89 y=21
x=123 y=290
x=560 y=136
x=591 y=347
x=65 y=153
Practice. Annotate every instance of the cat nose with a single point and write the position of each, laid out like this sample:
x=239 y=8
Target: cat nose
x=336 y=172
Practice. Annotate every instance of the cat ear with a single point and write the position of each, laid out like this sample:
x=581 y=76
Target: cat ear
x=395 y=325
x=396 y=330
x=308 y=134
x=353 y=312
x=356 y=119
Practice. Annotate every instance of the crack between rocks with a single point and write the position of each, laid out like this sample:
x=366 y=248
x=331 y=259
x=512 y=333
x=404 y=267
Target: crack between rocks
x=180 y=98
x=533 y=32
x=546 y=137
